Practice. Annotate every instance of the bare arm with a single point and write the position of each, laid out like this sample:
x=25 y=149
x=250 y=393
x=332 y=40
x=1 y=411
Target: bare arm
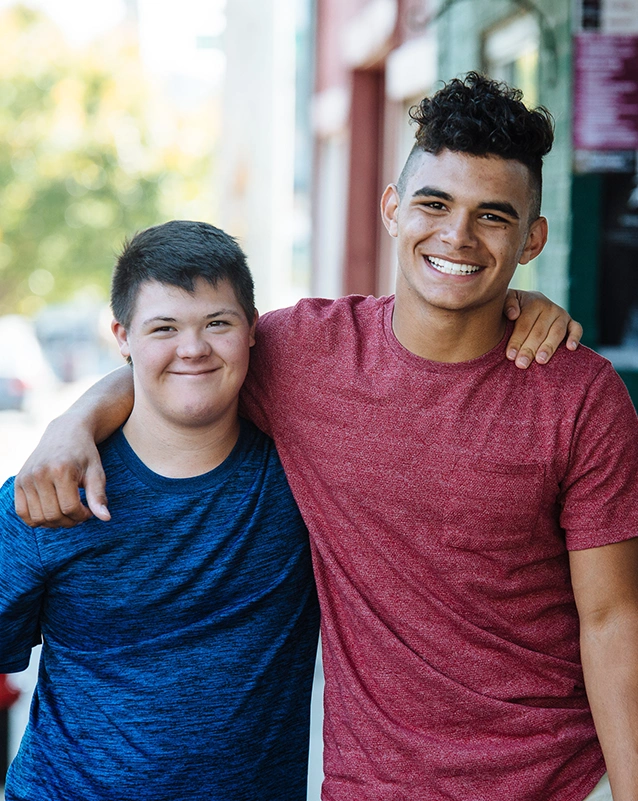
x=605 y=582
x=46 y=489
x=540 y=328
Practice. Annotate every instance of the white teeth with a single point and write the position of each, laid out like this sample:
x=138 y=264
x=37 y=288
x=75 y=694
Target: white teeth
x=451 y=267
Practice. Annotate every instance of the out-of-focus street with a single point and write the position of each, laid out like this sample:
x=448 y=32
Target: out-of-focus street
x=20 y=431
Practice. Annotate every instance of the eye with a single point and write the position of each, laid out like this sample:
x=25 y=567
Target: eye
x=495 y=218
x=434 y=205
x=163 y=329
x=218 y=323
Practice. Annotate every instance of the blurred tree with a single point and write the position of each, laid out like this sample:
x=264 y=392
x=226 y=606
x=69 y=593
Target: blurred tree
x=88 y=156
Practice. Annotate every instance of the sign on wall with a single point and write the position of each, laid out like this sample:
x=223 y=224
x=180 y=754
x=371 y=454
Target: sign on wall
x=605 y=78
x=605 y=92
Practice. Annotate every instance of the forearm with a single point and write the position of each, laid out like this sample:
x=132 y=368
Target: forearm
x=104 y=407
x=609 y=652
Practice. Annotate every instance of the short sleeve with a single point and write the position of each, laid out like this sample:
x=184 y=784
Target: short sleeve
x=600 y=489
x=22 y=581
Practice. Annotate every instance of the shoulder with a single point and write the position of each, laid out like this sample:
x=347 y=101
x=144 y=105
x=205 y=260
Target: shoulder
x=303 y=328
x=257 y=452
x=18 y=541
x=11 y=522
x=578 y=387
x=584 y=363
x=320 y=313
x=260 y=472
x=573 y=374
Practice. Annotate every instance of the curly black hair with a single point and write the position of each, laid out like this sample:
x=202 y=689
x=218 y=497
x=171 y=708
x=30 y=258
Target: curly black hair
x=483 y=117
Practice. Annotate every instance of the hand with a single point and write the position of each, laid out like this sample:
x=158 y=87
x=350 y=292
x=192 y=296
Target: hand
x=540 y=328
x=47 y=487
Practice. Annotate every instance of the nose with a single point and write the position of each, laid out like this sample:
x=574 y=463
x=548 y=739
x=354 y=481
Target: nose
x=193 y=345
x=458 y=231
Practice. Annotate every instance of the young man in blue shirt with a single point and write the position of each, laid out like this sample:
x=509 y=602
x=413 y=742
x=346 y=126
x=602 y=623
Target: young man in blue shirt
x=179 y=637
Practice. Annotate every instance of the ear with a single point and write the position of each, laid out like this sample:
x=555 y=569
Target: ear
x=251 y=336
x=390 y=209
x=536 y=239
x=122 y=338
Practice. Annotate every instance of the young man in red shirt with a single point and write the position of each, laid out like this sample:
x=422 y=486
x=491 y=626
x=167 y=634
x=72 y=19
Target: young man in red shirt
x=473 y=525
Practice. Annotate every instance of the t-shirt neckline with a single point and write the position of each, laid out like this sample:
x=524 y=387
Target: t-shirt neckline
x=194 y=483
x=493 y=356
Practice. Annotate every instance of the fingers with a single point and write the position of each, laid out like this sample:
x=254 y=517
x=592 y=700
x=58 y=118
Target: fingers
x=539 y=342
x=524 y=343
x=47 y=489
x=95 y=489
x=547 y=347
x=44 y=498
x=539 y=330
x=574 y=334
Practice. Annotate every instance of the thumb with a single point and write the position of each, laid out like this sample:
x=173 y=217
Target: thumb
x=95 y=489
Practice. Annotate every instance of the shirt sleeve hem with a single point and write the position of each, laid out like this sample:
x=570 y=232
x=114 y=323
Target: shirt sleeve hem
x=593 y=538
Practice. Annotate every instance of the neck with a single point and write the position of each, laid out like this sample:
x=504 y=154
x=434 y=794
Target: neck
x=443 y=335
x=178 y=451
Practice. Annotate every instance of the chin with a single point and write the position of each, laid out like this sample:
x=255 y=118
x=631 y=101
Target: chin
x=192 y=417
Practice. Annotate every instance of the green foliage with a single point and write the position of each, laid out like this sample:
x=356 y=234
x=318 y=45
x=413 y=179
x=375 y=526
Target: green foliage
x=80 y=163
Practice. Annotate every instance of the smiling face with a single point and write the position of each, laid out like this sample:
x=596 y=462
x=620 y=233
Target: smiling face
x=462 y=225
x=189 y=351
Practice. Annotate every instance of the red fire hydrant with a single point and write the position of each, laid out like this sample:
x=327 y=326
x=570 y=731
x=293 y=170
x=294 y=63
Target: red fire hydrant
x=8 y=696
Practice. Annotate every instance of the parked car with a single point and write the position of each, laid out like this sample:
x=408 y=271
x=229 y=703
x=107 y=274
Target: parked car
x=23 y=368
x=13 y=391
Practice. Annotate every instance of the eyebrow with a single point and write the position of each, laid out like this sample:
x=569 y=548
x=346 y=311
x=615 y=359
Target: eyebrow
x=219 y=313
x=489 y=205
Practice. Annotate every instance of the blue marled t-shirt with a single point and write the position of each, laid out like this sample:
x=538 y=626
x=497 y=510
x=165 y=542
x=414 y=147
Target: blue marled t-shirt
x=179 y=638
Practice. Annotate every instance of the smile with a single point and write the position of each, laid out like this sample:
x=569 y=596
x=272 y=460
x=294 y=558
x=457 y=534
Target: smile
x=451 y=268
x=201 y=372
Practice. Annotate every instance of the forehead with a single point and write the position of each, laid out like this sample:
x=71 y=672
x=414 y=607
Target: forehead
x=472 y=178
x=156 y=298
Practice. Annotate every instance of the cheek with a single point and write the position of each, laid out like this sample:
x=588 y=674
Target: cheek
x=151 y=361
x=237 y=357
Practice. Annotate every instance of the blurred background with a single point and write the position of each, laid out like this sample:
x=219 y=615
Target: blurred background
x=280 y=121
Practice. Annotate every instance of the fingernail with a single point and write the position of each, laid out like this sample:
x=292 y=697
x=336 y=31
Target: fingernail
x=522 y=361
x=541 y=357
x=511 y=353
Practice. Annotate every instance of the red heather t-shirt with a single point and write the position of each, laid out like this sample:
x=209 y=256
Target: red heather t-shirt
x=441 y=500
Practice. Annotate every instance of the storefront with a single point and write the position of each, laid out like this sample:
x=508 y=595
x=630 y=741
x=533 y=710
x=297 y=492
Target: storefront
x=604 y=264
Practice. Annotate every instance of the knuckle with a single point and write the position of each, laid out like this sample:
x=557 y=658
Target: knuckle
x=548 y=347
x=58 y=472
x=69 y=509
x=24 y=482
